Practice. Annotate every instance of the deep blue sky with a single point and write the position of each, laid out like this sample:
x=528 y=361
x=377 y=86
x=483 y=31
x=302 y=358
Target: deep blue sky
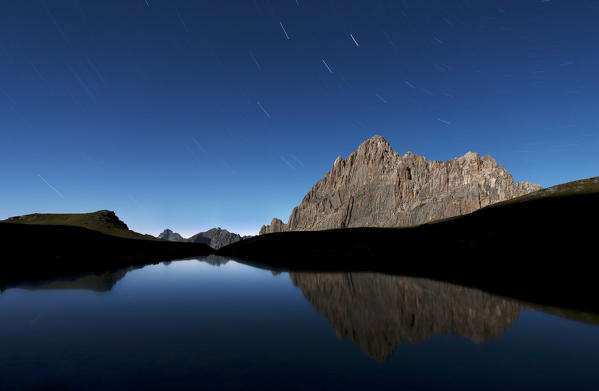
x=195 y=114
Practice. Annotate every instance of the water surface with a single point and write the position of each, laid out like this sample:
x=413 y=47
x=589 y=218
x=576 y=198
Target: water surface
x=193 y=324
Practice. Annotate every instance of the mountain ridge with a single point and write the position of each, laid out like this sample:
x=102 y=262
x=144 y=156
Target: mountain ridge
x=376 y=187
x=214 y=237
x=534 y=248
x=104 y=221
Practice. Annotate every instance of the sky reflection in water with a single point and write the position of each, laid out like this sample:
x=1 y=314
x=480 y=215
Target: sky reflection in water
x=191 y=324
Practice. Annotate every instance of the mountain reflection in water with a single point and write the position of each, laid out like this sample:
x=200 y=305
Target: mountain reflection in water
x=102 y=282
x=379 y=312
x=212 y=323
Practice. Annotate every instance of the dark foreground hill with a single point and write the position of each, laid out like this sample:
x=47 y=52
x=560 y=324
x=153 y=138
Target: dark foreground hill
x=540 y=247
x=40 y=247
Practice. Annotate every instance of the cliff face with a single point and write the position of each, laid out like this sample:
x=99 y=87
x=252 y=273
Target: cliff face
x=378 y=312
x=375 y=186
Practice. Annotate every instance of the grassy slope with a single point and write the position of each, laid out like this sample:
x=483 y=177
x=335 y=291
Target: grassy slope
x=538 y=248
x=579 y=187
x=102 y=221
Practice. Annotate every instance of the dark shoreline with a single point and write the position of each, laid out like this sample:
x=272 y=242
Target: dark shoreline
x=541 y=250
x=535 y=250
x=41 y=252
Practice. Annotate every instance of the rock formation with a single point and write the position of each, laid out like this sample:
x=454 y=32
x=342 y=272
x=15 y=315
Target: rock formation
x=167 y=234
x=379 y=312
x=215 y=237
x=276 y=225
x=376 y=187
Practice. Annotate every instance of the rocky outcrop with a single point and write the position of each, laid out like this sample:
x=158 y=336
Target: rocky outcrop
x=215 y=237
x=379 y=312
x=376 y=187
x=167 y=234
x=276 y=225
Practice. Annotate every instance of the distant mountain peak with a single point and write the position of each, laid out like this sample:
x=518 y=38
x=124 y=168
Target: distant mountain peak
x=167 y=234
x=214 y=237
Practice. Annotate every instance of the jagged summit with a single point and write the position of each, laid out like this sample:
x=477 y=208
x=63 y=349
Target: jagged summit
x=375 y=142
x=375 y=186
x=214 y=237
x=167 y=234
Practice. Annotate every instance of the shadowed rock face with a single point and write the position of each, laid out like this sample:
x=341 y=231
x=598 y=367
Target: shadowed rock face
x=376 y=187
x=379 y=312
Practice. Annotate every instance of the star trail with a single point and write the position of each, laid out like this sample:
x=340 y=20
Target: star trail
x=104 y=99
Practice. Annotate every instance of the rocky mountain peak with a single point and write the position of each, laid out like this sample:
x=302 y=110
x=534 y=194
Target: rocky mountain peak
x=374 y=144
x=214 y=237
x=376 y=149
x=167 y=234
x=375 y=186
x=276 y=225
x=470 y=156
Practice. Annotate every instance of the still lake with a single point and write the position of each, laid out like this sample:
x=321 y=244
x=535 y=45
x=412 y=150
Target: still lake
x=218 y=324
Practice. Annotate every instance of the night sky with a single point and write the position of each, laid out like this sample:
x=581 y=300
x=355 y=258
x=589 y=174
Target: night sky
x=196 y=114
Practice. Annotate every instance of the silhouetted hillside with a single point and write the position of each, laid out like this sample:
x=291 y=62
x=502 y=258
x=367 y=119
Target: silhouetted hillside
x=538 y=247
x=33 y=250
